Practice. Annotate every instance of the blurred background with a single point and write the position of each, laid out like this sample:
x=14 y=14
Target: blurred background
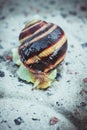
x=16 y=13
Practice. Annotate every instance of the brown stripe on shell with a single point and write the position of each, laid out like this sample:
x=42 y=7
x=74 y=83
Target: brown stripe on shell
x=30 y=30
x=45 y=33
x=29 y=24
x=48 y=51
x=40 y=31
x=26 y=28
x=38 y=46
x=54 y=65
x=50 y=62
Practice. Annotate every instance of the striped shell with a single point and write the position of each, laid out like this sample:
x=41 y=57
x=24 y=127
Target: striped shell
x=43 y=46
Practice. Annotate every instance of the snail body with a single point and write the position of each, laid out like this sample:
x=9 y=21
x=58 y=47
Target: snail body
x=43 y=46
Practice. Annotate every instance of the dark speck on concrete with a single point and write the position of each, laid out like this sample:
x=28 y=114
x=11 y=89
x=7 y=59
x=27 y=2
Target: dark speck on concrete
x=17 y=4
x=69 y=51
x=2 y=59
x=9 y=126
x=0 y=40
x=2 y=74
x=20 y=85
x=84 y=45
x=34 y=113
x=72 y=46
x=45 y=17
x=67 y=63
x=35 y=119
x=13 y=29
x=63 y=15
x=18 y=121
x=53 y=15
x=52 y=2
x=11 y=9
x=46 y=7
x=58 y=128
x=1 y=96
x=68 y=81
x=3 y=121
x=73 y=13
x=1 y=47
x=83 y=8
x=57 y=103
x=2 y=17
x=49 y=94
x=13 y=43
x=61 y=9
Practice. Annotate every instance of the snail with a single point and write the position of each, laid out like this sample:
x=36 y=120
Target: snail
x=43 y=47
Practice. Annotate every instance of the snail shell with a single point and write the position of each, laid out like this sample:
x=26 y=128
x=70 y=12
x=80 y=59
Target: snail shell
x=43 y=46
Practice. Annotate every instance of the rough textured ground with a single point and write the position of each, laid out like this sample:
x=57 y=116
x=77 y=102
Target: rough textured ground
x=64 y=105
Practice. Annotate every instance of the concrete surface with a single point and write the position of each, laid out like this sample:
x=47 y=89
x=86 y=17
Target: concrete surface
x=24 y=109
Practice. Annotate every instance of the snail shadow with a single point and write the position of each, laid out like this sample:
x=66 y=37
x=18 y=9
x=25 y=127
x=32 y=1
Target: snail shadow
x=80 y=124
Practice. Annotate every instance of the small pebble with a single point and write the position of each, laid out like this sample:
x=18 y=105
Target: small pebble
x=18 y=121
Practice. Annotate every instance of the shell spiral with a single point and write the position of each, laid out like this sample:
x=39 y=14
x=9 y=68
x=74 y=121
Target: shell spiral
x=43 y=46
